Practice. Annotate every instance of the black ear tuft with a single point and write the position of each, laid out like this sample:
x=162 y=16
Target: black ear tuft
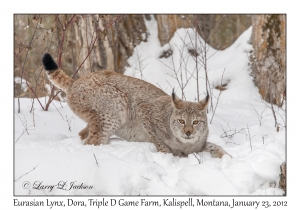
x=177 y=102
x=49 y=63
x=204 y=103
x=207 y=95
x=173 y=95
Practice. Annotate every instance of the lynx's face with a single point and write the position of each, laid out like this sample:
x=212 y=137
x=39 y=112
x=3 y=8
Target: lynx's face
x=188 y=121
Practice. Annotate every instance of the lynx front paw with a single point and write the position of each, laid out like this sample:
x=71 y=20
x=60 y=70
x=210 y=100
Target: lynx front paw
x=92 y=140
x=163 y=148
x=218 y=153
x=84 y=133
x=95 y=140
x=215 y=150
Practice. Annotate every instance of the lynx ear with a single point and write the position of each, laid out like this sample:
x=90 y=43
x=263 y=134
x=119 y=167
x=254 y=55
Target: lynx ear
x=204 y=103
x=176 y=101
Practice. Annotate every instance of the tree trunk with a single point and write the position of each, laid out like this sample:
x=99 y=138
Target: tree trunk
x=220 y=31
x=269 y=56
x=114 y=45
x=282 y=175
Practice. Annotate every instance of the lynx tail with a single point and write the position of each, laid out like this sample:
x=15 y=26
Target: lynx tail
x=49 y=63
x=55 y=74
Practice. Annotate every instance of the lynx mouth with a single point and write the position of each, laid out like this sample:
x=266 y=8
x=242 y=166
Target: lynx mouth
x=188 y=137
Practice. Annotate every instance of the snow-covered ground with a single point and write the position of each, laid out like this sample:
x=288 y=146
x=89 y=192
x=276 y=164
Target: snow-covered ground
x=49 y=152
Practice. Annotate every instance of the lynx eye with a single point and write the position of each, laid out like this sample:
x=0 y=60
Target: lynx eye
x=181 y=121
x=196 y=122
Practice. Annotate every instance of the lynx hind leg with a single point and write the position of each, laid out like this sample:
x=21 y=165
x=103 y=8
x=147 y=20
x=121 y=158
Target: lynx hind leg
x=215 y=150
x=84 y=132
x=101 y=128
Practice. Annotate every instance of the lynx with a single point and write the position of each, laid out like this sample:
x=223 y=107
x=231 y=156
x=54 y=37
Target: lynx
x=134 y=110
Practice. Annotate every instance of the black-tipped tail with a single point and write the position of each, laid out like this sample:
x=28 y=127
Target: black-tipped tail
x=49 y=63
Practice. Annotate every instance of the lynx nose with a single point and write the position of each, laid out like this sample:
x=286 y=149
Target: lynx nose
x=188 y=133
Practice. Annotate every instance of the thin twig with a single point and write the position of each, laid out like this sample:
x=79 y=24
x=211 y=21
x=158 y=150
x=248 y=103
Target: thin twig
x=25 y=174
x=230 y=133
x=64 y=28
x=217 y=99
x=96 y=159
x=34 y=94
x=23 y=66
x=58 y=111
x=33 y=114
x=20 y=136
x=145 y=178
x=260 y=117
x=69 y=120
x=197 y=70
x=215 y=27
x=199 y=161
x=274 y=112
x=250 y=137
x=274 y=115
x=24 y=123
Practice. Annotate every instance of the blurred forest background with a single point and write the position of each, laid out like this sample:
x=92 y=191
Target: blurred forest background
x=92 y=42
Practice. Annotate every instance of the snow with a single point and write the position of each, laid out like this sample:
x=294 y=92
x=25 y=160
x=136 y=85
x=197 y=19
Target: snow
x=22 y=81
x=49 y=151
